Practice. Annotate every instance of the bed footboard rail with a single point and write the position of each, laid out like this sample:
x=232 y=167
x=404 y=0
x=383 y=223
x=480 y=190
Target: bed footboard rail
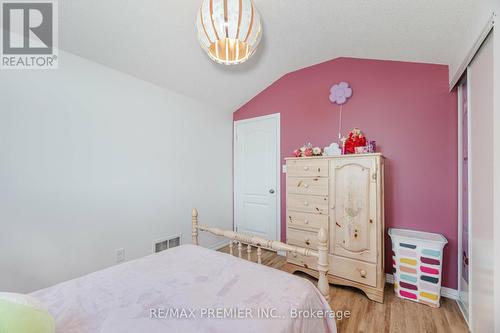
x=321 y=254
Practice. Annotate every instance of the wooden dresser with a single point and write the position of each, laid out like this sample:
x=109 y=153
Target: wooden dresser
x=345 y=195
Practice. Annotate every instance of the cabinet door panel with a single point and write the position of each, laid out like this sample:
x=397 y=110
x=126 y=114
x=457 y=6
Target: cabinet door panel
x=353 y=208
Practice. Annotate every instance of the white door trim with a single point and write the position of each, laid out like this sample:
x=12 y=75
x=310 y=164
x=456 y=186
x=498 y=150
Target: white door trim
x=460 y=183
x=465 y=312
x=276 y=116
x=469 y=196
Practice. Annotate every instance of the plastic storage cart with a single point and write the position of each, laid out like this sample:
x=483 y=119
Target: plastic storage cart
x=417 y=259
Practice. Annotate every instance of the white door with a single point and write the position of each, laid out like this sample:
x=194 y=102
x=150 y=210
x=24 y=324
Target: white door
x=481 y=164
x=256 y=176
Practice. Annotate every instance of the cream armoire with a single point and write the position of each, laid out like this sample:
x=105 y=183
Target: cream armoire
x=345 y=195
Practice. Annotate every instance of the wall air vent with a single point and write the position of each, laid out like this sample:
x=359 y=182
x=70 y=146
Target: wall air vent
x=166 y=243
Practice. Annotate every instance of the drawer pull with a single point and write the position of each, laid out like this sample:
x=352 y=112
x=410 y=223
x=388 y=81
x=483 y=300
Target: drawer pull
x=306 y=168
x=362 y=273
x=306 y=203
x=307 y=241
x=306 y=221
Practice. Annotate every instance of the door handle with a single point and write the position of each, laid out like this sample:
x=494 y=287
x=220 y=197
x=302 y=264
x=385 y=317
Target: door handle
x=271 y=191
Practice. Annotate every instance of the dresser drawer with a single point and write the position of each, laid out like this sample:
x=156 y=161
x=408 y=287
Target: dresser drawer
x=353 y=270
x=307 y=168
x=307 y=203
x=303 y=261
x=312 y=186
x=348 y=269
x=307 y=221
x=302 y=238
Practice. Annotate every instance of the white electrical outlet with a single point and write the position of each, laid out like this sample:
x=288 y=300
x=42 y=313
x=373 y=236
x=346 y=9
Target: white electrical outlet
x=120 y=255
x=284 y=168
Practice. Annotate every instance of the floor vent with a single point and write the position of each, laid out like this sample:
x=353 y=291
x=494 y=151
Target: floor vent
x=167 y=243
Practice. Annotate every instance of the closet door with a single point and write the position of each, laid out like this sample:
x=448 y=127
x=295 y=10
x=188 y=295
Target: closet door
x=353 y=208
x=481 y=266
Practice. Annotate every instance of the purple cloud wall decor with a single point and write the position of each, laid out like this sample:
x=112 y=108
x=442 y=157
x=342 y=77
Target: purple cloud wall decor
x=340 y=93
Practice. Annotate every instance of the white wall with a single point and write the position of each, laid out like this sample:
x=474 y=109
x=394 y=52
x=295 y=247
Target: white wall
x=92 y=160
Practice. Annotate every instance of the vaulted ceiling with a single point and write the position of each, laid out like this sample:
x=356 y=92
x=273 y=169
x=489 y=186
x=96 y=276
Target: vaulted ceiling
x=155 y=40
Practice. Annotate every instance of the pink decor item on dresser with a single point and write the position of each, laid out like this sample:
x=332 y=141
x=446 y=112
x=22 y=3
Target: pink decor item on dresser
x=408 y=109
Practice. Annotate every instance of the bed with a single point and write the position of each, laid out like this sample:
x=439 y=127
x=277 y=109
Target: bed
x=192 y=289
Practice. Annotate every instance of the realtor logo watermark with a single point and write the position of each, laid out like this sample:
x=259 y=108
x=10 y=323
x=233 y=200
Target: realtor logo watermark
x=29 y=34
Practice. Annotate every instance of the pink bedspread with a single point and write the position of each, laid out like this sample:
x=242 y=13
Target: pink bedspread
x=187 y=289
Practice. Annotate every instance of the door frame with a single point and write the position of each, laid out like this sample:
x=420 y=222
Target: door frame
x=465 y=312
x=277 y=117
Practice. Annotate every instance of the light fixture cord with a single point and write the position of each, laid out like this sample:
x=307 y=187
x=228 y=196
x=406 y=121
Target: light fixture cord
x=340 y=123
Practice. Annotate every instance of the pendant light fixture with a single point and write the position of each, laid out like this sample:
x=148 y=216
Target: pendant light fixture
x=229 y=30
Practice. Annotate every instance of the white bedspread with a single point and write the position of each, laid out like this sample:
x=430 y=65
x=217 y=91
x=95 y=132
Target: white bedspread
x=142 y=296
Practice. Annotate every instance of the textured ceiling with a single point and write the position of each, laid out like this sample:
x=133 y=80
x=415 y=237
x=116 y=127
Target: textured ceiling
x=155 y=40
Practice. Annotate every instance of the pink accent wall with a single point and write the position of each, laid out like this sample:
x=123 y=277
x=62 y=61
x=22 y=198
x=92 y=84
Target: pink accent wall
x=407 y=109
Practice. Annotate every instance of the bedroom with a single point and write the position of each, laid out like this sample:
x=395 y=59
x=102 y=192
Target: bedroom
x=109 y=140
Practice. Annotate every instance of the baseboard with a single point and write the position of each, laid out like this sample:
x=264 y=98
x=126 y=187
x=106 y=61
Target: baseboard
x=218 y=245
x=445 y=292
x=449 y=293
x=464 y=313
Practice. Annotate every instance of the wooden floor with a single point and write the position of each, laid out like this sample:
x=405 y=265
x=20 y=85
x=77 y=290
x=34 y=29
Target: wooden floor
x=395 y=315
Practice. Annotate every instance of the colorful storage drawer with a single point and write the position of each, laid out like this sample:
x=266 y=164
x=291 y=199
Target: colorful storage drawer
x=417 y=258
